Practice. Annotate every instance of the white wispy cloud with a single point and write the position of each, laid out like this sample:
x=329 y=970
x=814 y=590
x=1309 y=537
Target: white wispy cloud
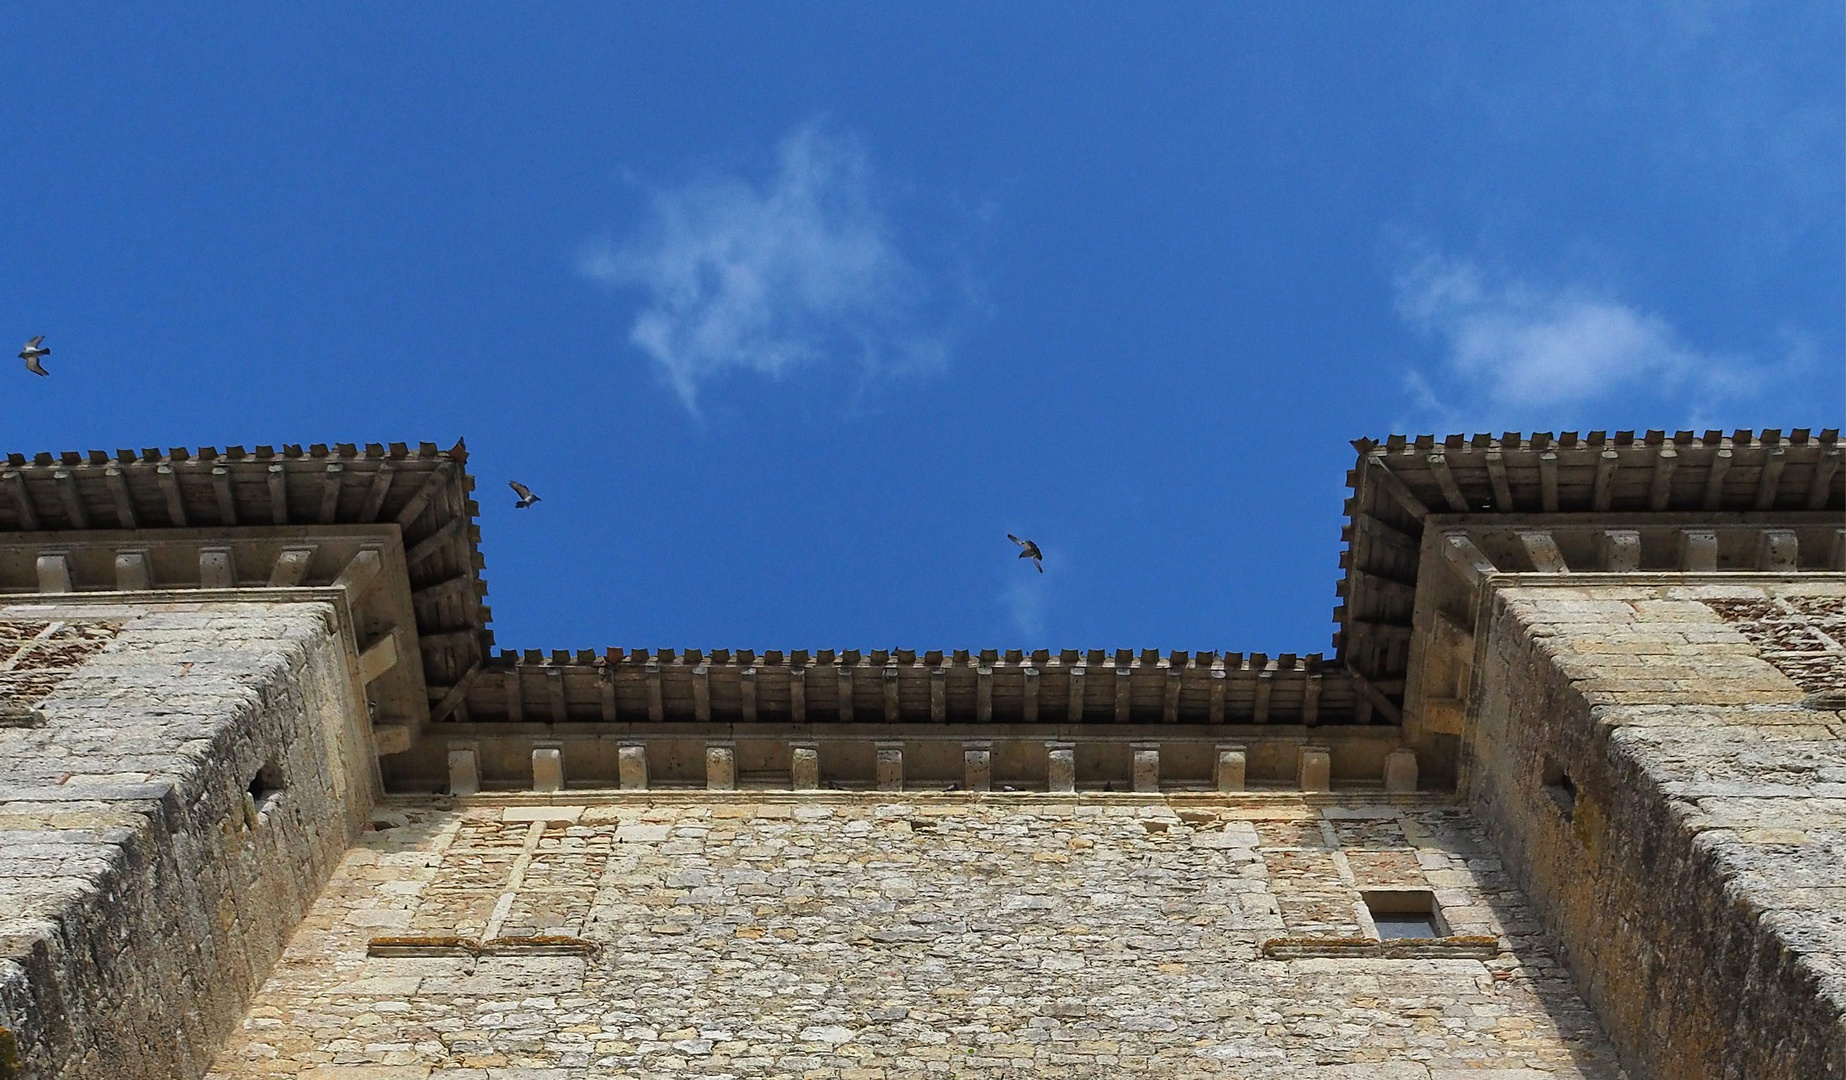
x=801 y=270
x=1513 y=350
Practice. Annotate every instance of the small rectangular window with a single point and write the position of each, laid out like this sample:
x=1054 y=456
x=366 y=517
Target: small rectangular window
x=1404 y=913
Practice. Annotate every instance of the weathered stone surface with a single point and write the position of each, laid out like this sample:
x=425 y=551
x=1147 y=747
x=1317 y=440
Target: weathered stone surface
x=198 y=773
x=720 y=766
x=1314 y=773
x=1232 y=768
x=464 y=771
x=631 y=761
x=1650 y=775
x=1400 y=773
x=1146 y=776
x=889 y=762
x=1061 y=767
x=547 y=769
x=804 y=768
x=836 y=935
x=977 y=767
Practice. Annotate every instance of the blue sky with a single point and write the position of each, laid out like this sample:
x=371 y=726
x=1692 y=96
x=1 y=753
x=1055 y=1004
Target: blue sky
x=791 y=313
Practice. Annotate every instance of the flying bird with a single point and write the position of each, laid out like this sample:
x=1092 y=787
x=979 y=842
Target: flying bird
x=526 y=498
x=1029 y=550
x=32 y=352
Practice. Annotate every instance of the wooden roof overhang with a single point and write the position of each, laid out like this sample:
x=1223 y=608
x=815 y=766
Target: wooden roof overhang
x=164 y=507
x=1482 y=489
x=175 y=504
x=904 y=686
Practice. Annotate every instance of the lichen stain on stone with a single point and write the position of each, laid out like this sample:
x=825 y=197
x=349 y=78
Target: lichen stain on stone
x=1589 y=825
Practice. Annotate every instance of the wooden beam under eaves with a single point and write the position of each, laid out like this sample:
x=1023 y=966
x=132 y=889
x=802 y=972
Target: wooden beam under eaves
x=1770 y=478
x=1445 y=479
x=73 y=502
x=435 y=541
x=278 y=495
x=417 y=503
x=1496 y=474
x=28 y=514
x=330 y=492
x=1821 y=485
x=1379 y=473
x=118 y=491
x=227 y=501
x=1604 y=491
x=169 y=488
x=381 y=486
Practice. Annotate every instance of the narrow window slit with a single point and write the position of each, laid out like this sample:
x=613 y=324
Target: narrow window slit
x=263 y=793
x=1558 y=786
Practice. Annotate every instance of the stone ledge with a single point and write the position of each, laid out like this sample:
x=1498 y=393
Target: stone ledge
x=1460 y=947
x=530 y=945
x=1340 y=803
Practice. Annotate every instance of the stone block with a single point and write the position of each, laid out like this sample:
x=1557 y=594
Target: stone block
x=1444 y=715
x=54 y=574
x=1146 y=775
x=977 y=766
x=890 y=759
x=1315 y=769
x=291 y=567
x=1400 y=770
x=131 y=571
x=631 y=766
x=216 y=571
x=1621 y=551
x=464 y=771
x=720 y=767
x=1698 y=550
x=547 y=769
x=1781 y=550
x=391 y=738
x=561 y=815
x=804 y=767
x=1231 y=767
x=1061 y=766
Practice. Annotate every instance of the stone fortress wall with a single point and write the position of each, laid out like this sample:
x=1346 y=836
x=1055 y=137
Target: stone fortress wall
x=1577 y=723
x=874 y=936
x=188 y=779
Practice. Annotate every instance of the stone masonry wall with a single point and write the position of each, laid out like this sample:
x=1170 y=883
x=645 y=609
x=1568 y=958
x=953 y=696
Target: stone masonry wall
x=144 y=892
x=1645 y=764
x=857 y=936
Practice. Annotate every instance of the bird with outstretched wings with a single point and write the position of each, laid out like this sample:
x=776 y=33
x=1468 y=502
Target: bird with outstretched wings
x=1029 y=550
x=30 y=354
x=526 y=498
